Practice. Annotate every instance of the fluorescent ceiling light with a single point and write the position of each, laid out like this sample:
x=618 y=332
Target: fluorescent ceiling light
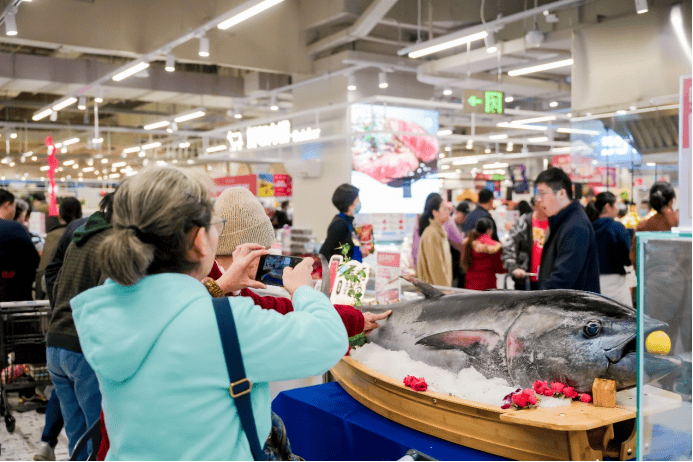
x=150 y=145
x=192 y=115
x=444 y=132
x=44 y=168
x=88 y=169
x=447 y=45
x=521 y=126
x=13 y=136
x=498 y=137
x=65 y=103
x=170 y=63
x=70 y=141
x=204 y=47
x=509 y=99
x=97 y=140
x=163 y=123
x=538 y=139
x=541 y=67
x=184 y=145
x=125 y=151
x=444 y=167
x=249 y=13
x=43 y=114
x=496 y=165
x=119 y=164
x=130 y=71
x=10 y=24
x=535 y=119
x=221 y=147
x=651 y=164
x=447 y=92
x=621 y=112
x=466 y=161
x=578 y=131
x=553 y=103
x=68 y=162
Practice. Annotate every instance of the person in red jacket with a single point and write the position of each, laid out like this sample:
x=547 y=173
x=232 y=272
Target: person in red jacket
x=482 y=257
x=248 y=228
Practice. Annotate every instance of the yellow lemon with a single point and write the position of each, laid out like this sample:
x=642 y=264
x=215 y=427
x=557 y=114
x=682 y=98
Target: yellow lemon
x=658 y=343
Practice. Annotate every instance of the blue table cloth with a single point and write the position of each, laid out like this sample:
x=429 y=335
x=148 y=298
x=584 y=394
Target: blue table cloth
x=324 y=423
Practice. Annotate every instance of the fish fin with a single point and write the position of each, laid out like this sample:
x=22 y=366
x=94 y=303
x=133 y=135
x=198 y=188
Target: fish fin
x=468 y=341
x=426 y=289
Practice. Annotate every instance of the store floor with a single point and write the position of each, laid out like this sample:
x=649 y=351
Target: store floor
x=24 y=442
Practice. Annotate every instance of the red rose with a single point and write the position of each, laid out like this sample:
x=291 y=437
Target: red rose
x=520 y=400
x=532 y=399
x=538 y=385
x=585 y=398
x=528 y=392
x=548 y=392
x=408 y=380
x=557 y=387
x=420 y=385
x=570 y=392
x=506 y=406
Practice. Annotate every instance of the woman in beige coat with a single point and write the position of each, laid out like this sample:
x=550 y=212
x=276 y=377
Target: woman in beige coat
x=434 y=263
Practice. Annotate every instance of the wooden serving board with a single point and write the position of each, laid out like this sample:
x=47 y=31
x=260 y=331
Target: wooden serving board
x=576 y=432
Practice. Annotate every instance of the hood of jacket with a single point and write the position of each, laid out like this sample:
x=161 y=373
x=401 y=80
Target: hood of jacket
x=118 y=325
x=602 y=224
x=94 y=225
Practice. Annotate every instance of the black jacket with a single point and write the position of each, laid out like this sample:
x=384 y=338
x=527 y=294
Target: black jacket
x=569 y=258
x=613 y=246
x=473 y=217
x=53 y=267
x=18 y=262
x=338 y=233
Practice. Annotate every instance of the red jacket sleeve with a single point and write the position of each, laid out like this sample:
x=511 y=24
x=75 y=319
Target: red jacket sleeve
x=280 y=304
x=352 y=318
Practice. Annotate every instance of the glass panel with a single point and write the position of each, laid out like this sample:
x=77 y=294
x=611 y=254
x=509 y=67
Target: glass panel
x=664 y=294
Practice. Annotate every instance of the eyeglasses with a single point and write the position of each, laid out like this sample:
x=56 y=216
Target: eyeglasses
x=542 y=194
x=219 y=224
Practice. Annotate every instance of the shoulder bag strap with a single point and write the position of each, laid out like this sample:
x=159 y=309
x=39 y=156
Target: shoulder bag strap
x=240 y=384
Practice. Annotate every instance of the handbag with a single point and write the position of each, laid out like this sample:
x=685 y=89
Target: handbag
x=277 y=446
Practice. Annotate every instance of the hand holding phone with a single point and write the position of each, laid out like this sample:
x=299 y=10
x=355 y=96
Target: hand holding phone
x=238 y=276
x=298 y=276
x=270 y=270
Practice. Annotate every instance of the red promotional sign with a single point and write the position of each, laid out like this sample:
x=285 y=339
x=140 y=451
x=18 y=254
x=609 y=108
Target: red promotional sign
x=282 y=185
x=244 y=181
x=388 y=259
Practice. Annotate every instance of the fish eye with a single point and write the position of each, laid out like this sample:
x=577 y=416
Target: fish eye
x=592 y=328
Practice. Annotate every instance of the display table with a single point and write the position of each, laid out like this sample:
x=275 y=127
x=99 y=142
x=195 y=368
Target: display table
x=324 y=423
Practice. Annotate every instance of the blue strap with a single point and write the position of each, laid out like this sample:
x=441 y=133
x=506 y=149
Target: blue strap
x=240 y=385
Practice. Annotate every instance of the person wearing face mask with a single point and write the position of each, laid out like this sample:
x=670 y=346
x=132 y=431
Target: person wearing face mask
x=341 y=230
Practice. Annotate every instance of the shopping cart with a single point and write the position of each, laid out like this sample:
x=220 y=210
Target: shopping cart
x=23 y=327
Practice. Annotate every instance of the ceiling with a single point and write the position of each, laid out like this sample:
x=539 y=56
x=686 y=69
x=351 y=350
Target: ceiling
x=63 y=48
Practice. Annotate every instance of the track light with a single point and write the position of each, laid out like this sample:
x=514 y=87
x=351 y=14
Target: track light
x=10 y=24
x=509 y=99
x=351 y=82
x=82 y=105
x=490 y=42
x=447 y=92
x=640 y=7
x=273 y=103
x=204 y=47
x=237 y=113
x=170 y=63
x=98 y=95
x=53 y=117
x=553 y=104
x=13 y=136
x=382 y=80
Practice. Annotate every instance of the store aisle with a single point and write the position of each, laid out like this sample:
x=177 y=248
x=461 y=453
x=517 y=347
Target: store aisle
x=23 y=443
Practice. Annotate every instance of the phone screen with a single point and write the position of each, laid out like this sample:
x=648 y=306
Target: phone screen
x=271 y=268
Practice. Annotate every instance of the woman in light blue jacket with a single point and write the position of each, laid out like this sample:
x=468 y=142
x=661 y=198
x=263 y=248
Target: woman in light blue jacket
x=151 y=336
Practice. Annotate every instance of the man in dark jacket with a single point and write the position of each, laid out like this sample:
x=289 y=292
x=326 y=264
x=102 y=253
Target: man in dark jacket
x=482 y=209
x=569 y=258
x=18 y=256
x=75 y=381
x=341 y=230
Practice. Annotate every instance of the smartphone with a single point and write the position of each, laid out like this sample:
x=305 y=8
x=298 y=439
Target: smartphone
x=271 y=268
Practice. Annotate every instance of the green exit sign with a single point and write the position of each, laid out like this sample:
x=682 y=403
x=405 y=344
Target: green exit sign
x=484 y=102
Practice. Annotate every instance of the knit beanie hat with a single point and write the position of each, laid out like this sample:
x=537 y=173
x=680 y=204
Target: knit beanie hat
x=246 y=221
x=344 y=196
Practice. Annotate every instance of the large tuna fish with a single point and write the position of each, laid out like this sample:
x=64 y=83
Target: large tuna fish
x=568 y=336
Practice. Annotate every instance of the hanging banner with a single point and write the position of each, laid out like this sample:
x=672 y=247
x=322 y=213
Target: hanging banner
x=265 y=185
x=686 y=210
x=282 y=185
x=244 y=181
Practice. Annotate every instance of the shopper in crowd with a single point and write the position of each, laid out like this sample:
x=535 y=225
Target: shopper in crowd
x=246 y=229
x=613 y=247
x=587 y=197
x=522 y=248
x=482 y=257
x=460 y=215
x=74 y=379
x=152 y=337
x=22 y=212
x=645 y=209
x=278 y=217
x=341 y=230
x=569 y=257
x=18 y=256
x=523 y=207
x=434 y=263
x=70 y=209
x=483 y=207
x=662 y=197
x=455 y=235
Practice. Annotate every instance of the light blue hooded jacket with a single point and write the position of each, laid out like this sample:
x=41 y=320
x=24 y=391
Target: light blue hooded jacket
x=157 y=353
